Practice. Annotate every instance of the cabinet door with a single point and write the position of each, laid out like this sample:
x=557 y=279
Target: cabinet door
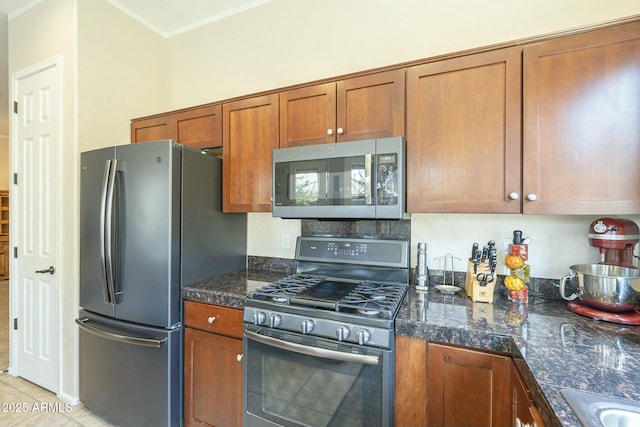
x=371 y=106
x=467 y=387
x=411 y=382
x=463 y=134
x=212 y=380
x=153 y=128
x=581 y=123
x=520 y=399
x=201 y=127
x=308 y=115
x=250 y=133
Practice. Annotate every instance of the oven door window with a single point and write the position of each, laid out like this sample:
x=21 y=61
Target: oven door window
x=293 y=389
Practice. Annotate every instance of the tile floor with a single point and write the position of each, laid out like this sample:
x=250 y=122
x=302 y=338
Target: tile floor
x=23 y=403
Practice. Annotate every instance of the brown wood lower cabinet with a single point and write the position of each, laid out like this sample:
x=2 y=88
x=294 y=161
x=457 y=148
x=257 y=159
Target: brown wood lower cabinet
x=441 y=385
x=212 y=366
x=525 y=414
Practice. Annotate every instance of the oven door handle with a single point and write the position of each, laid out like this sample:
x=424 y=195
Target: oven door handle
x=313 y=351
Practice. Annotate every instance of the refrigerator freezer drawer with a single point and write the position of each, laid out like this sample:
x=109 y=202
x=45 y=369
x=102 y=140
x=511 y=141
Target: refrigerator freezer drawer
x=130 y=375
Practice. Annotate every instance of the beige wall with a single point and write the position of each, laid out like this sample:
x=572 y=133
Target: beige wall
x=286 y=42
x=112 y=71
x=291 y=41
x=121 y=74
x=115 y=69
x=43 y=32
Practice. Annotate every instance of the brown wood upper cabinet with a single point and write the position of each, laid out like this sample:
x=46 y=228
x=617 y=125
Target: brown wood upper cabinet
x=581 y=123
x=250 y=133
x=370 y=106
x=199 y=127
x=153 y=128
x=463 y=134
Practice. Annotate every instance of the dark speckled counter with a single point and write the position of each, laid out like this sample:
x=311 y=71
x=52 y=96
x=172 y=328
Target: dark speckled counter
x=231 y=289
x=552 y=347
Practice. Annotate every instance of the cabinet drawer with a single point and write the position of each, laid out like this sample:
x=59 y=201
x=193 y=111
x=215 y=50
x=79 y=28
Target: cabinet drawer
x=213 y=318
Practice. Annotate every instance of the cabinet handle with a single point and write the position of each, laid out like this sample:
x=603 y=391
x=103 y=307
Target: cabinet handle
x=340 y=131
x=329 y=131
x=211 y=319
x=514 y=196
x=239 y=357
x=532 y=197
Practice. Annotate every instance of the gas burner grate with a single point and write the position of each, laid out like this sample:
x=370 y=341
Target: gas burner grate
x=282 y=290
x=374 y=299
x=367 y=299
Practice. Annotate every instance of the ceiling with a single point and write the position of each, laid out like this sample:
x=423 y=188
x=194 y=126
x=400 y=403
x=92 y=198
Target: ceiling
x=165 y=17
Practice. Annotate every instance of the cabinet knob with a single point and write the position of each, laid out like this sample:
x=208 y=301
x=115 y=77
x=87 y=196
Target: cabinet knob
x=340 y=131
x=329 y=131
x=239 y=357
x=514 y=196
x=211 y=319
x=532 y=197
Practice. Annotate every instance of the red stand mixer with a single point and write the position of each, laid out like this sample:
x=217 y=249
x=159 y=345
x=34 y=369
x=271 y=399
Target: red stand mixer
x=603 y=290
x=616 y=239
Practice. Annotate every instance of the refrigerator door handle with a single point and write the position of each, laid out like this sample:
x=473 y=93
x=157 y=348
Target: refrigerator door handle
x=107 y=232
x=101 y=234
x=83 y=323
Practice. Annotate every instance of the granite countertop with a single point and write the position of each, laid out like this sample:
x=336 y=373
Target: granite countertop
x=552 y=347
x=230 y=290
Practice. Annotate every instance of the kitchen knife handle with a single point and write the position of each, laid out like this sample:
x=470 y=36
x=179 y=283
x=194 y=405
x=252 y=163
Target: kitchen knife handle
x=517 y=237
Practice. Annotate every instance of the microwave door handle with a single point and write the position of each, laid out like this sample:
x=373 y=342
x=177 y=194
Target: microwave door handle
x=313 y=351
x=368 y=180
x=108 y=244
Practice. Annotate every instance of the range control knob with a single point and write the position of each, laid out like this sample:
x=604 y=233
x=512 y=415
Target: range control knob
x=258 y=317
x=343 y=333
x=363 y=336
x=307 y=326
x=274 y=320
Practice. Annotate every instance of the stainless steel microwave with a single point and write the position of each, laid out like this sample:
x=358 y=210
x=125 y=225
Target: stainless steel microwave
x=345 y=180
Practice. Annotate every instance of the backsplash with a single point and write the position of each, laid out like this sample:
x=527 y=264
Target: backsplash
x=271 y=264
x=542 y=288
x=379 y=229
x=394 y=230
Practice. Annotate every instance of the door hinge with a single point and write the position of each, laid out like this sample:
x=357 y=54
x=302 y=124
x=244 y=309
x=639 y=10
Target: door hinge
x=15 y=323
x=15 y=107
x=15 y=178
x=15 y=252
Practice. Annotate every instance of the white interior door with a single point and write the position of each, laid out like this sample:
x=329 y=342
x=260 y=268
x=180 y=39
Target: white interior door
x=34 y=218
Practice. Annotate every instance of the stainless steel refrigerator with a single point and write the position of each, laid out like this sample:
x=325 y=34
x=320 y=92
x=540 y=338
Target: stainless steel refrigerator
x=150 y=221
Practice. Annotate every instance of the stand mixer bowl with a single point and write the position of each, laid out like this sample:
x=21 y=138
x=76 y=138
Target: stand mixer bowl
x=604 y=287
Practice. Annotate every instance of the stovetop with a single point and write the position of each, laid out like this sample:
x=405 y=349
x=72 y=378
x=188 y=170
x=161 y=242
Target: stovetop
x=367 y=298
x=344 y=289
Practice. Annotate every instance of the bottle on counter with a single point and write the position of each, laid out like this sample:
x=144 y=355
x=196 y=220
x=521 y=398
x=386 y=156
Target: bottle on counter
x=421 y=278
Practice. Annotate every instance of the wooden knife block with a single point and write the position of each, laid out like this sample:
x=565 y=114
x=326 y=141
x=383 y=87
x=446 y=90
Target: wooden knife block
x=472 y=286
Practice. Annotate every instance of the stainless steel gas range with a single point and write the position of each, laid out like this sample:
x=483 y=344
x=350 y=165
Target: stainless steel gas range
x=319 y=345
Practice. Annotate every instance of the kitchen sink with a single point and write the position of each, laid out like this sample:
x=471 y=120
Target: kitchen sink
x=598 y=410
